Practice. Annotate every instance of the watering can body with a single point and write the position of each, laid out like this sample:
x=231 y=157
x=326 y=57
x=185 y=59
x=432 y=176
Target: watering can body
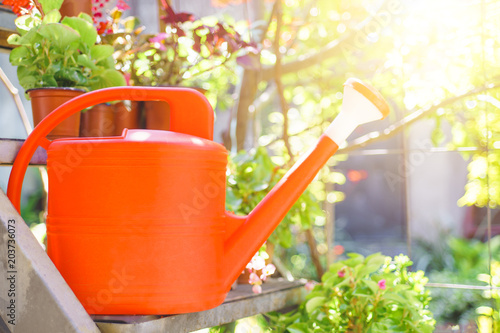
x=137 y=223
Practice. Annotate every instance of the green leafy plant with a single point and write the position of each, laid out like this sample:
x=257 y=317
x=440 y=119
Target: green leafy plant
x=124 y=34
x=372 y=294
x=187 y=48
x=252 y=175
x=52 y=52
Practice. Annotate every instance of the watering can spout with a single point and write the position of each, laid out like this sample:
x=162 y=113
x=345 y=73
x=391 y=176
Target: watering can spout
x=361 y=104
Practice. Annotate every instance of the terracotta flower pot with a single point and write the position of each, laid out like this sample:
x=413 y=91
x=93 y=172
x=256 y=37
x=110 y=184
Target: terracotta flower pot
x=98 y=121
x=157 y=115
x=126 y=117
x=46 y=100
x=75 y=7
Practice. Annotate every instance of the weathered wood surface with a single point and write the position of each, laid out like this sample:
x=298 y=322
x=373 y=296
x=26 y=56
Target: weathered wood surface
x=10 y=147
x=7 y=27
x=38 y=297
x=240 y=303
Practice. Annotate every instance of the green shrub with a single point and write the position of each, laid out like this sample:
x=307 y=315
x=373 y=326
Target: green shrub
x=372 y=294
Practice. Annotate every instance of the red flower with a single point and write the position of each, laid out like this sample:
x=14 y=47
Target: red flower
x=338 y=250
x=17 y=5
x=102 y=27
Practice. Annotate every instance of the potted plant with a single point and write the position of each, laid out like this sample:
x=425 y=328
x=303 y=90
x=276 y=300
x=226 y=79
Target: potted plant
x=58 y=59
x=122 y=34
x=187 y=48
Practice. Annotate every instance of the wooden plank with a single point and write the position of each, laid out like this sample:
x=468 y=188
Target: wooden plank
x=7 y=27
x=4 y=34
x=240 y=303
x=39 y=299
x=10 y=147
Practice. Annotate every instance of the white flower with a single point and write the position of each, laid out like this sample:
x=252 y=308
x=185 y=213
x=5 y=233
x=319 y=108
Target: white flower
x=258 y=263
x=269 y=270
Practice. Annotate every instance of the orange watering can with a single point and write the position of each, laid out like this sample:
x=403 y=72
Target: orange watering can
x=137 y=224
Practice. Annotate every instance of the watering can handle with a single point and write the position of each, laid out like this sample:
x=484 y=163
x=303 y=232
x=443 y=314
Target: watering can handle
x=190 y=113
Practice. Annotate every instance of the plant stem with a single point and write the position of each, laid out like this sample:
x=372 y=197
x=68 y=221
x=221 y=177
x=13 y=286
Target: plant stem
x=315 y=256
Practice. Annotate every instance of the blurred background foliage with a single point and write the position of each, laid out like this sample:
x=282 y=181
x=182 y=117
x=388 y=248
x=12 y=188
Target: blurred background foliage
x=430 y=59
x=434 y=60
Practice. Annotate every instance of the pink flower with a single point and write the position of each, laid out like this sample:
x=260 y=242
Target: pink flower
x=254 y=279
x=158 y=41
x=381 y=284
x=341 y=273
x=310 y=285
x=127 y=77
x=122 y=5
x=257 y=289
x=158 y=38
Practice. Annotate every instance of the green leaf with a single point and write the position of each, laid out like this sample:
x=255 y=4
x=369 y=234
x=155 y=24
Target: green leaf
x=30 y=38
x=59 y=35
x=108 y=78
x=28 y=82
x=25 y=23
x=52 y=17
x=83 y=60
x=48 y=81
x=101 y=52
x=48 y=5
x=86 y=17
x=18 y=55
x=314 y=303
x=400 y=287
x=373 y=263
x=344 y=282
x=298 y=328
x=70 y=77
x=14 y=39
x=396 y=298
x=372 y=285
x=84 y=28
x=107 y=63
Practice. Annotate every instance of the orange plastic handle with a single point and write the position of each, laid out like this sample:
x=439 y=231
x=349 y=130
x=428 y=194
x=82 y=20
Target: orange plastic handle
x=190 y=113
